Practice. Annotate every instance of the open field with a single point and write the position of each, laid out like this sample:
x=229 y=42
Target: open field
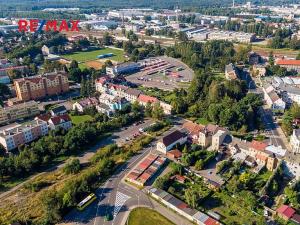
x=89 y=58
x=265 y=51
x=94 y=64
x=80 y=119
x=145 y=216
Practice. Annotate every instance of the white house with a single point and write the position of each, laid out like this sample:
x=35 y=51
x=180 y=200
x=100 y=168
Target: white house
x=295 y=141
x=170 y=140
x=272 y=99
x=61 y=121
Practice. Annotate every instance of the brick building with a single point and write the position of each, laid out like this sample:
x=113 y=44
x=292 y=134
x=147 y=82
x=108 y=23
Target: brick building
x=40 y=86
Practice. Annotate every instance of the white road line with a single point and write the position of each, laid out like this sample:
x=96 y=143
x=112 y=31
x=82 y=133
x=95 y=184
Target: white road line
x=120 y=200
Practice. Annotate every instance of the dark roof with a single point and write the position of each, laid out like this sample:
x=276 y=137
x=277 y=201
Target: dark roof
x=134 y=92
x=59 y=109
x=172 y=137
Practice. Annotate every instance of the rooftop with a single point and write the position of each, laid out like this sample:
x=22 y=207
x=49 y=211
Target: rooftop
x=172 y=137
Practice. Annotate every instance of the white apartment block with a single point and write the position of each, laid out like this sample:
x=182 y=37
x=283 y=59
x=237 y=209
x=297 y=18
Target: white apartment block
x=12 y=137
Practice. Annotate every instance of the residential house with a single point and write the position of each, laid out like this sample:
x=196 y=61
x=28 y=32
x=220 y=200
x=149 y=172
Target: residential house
x=166 y=143
x=212 y=135
x=132 y=95
x=174 y=154
x=145 y=99
x=272 y=99
x=295 y=141
x=193 y=130
x=57 y=111
x=60 y=121
x=83 y=104
x=114 y=102
x=285 y=212
x=259 y=70
x=231 y=72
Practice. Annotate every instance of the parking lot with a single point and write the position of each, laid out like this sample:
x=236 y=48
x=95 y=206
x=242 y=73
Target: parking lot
x=162 y=72
x=127 y=134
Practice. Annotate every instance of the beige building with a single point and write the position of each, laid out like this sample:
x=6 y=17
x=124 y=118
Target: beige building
x=40 y=86
x=15 y=112
x=295 y=141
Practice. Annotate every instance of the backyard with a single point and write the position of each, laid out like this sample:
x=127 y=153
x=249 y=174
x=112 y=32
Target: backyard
x=80 y=119
x=145 y=216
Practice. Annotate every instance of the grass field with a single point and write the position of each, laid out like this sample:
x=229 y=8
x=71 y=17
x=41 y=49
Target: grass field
x=145 y=216
x=83 y=57
x=81 y=119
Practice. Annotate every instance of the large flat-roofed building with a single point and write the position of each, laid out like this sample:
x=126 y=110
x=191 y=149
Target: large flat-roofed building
x=289 y=64
x=40 y=86
x=15 y=112
x=123 y=68
x=12 y=137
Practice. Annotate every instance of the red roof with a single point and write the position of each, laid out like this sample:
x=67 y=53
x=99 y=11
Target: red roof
x=286 y=211
x=175 y=153
x=258 y=145
x=146 y=99
x=145 y=176
x=261 y=157
x=296 y=218
x=60 y=119
x=44 y=117
x=288 y=62
x=182 y=205
x=211 y=221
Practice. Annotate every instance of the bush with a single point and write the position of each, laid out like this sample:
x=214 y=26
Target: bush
x=72 y=166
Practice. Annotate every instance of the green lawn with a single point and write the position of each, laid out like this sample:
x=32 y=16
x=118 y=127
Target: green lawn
x=202 y=121
x=82 y=57
x=81 y=119
x=145 y=216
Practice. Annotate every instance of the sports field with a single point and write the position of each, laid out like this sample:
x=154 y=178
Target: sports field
x=83 y=57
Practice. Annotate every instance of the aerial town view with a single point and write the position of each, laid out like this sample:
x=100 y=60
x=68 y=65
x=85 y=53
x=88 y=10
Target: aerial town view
x=171 y=112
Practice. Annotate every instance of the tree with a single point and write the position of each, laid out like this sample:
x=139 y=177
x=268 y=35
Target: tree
x=148 y=110
x=157 y=111
x=192 y=197
x=182 y=36
x=51 y=204
x=199 y=164
x=73 y=64
x=72 y=166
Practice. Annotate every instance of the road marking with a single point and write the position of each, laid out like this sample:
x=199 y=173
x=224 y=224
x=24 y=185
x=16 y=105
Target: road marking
x=120 y=200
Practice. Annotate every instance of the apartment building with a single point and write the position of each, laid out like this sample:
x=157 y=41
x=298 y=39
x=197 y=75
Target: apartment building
x=40 y=86
x=231 y=72
x=12 y=137
x=15 y=112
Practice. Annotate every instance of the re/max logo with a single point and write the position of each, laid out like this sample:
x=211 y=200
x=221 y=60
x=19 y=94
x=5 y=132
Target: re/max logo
x=47 y=25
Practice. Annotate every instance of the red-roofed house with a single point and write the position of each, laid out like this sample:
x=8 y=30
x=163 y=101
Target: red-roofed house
x=144 y=99
x=178 y=178
x=61 y=121
x=285 y=212
x=174 y=154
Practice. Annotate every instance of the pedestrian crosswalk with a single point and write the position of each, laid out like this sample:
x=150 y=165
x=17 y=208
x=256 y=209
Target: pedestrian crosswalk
x=120 y=200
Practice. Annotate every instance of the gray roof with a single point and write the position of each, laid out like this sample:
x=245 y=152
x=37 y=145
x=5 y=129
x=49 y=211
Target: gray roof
x=134 y=92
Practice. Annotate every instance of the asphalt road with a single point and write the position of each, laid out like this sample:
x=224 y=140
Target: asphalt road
x=117 y=198
x=271 y=128
x=117 y=137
